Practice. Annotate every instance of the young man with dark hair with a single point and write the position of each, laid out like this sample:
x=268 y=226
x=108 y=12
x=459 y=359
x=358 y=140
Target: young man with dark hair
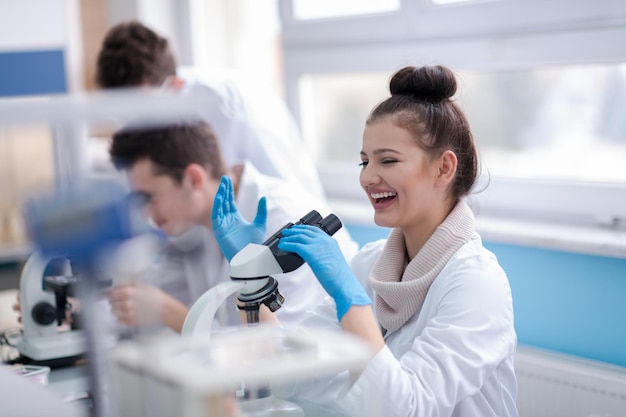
x=132 y=55
x=251 y=123
x=176 y=169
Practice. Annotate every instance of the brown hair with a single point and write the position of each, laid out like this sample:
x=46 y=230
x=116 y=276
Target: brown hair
x=421 y=103
x=133 y=55
x=171 y=148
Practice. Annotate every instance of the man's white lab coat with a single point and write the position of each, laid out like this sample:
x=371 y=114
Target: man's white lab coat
x=253 y=124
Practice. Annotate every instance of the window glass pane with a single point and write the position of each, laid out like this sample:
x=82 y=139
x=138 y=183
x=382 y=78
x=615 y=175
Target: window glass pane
x=316 y=9
x=334 y=109
x=560 y=123
x=26 y=167
x=444 y=2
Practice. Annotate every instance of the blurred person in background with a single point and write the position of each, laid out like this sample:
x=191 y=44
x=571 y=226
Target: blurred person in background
x=251 y=123
x=175 y=172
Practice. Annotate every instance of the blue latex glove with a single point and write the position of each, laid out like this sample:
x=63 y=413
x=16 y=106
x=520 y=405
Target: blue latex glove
x=323 y=255
x=231 y=230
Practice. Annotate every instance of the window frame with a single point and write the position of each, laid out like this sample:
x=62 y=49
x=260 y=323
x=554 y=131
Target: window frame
x=496 y=35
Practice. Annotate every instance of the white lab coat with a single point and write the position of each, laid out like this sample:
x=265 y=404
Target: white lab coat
x=253 y=124
x=193 y=263
x=453 y=358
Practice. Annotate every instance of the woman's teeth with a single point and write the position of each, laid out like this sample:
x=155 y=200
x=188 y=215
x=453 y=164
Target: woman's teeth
x=377 y=196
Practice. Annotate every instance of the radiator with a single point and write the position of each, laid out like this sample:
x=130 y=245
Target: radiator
x=557 y=385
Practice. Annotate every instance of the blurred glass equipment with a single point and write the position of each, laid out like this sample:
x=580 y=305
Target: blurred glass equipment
x=177 y=378
x=36 y=374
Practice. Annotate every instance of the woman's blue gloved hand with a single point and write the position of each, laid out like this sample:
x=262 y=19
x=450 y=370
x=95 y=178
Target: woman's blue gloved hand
x=323 y=255
x=231 y=230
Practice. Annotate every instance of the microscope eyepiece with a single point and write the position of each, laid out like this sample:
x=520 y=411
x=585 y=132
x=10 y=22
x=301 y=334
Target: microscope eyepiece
x=311 y=218
x=330 y=224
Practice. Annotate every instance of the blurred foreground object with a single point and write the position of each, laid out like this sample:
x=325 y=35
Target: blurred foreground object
x=178 y=378
x=83 y=223
x=83 y=220
x=36 y=374
x=23 y=397
x=75 y=225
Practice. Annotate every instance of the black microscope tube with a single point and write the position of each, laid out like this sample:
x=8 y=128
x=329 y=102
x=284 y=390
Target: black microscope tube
x=330 y=224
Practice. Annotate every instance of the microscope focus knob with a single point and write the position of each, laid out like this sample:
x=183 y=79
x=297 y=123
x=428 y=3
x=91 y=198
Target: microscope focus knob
x=44 y=313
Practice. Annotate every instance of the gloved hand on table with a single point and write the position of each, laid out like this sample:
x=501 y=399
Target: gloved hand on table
x=231 y=230
x=322 y=253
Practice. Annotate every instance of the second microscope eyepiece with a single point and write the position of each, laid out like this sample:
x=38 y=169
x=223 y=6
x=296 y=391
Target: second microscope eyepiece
x=311 y=218
x=330 y=224
x=290 y=261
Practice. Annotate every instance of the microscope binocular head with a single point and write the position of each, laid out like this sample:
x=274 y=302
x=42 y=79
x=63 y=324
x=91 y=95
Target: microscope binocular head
x=253 y=265
x=259 y=261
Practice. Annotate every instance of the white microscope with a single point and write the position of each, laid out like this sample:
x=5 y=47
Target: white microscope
x=250 y=273
x=45 y=285
x=254 y=264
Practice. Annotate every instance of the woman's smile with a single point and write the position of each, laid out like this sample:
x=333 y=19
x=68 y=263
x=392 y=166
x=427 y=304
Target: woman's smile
x=383 y=200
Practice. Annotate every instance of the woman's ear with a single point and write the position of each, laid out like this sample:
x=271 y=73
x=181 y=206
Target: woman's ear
x=195 y=175
x=447 y=167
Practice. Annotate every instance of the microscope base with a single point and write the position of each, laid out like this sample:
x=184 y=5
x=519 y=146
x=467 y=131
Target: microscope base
x=63 y=348
x=52 y=363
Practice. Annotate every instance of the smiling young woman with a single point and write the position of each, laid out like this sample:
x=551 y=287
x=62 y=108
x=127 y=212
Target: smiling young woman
x=441 y=299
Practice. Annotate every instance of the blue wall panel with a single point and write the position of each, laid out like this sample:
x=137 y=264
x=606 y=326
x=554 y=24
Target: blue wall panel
x=32 y=73
x=568 y=302
x=565 y=302
x=364 y=234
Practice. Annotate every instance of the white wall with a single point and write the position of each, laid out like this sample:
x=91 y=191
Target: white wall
x=167 y=17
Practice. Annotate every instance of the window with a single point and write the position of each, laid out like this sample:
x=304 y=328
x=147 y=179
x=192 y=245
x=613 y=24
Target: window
x=554 y=123
x=26 y=167
x=315 y=9
x=565 y=122
x=444 y=2
x=334 y=109
x=543 y=84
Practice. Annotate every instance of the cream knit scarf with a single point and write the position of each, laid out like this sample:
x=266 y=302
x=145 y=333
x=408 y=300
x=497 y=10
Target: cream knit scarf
x=401 y=286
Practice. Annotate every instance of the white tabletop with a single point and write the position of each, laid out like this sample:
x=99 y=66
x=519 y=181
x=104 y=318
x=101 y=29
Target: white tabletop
x=69 y=381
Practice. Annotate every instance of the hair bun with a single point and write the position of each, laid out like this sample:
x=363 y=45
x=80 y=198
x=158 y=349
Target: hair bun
x=430 y=84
